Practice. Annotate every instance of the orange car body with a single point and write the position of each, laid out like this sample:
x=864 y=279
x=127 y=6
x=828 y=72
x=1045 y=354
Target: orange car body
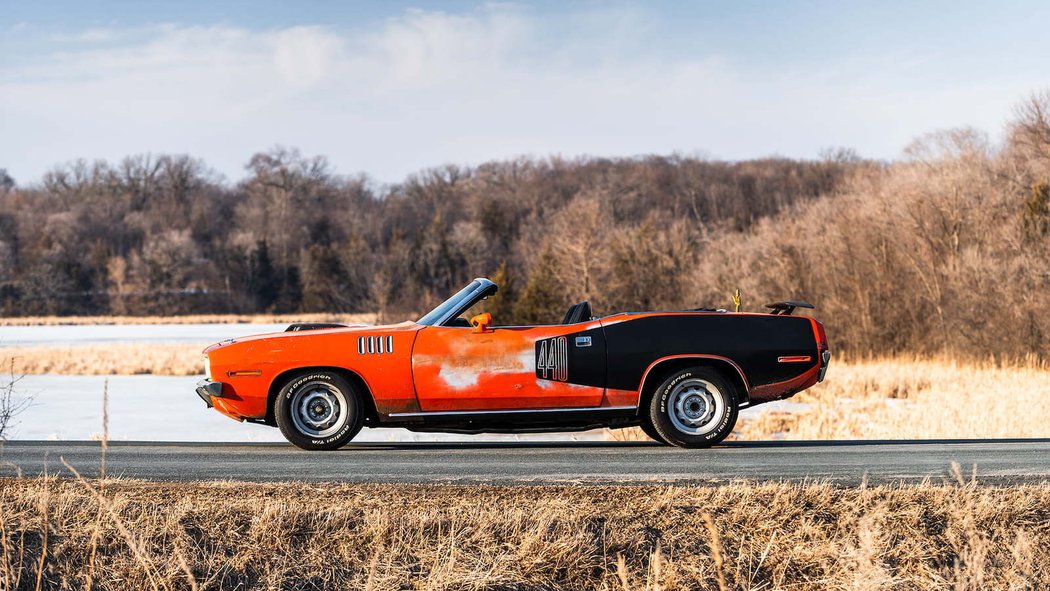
x=412 y=372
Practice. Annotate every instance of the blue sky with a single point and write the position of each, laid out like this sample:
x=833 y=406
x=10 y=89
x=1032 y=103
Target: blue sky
x=389 y=88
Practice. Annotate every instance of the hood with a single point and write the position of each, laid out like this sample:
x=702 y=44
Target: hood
x=300 y=333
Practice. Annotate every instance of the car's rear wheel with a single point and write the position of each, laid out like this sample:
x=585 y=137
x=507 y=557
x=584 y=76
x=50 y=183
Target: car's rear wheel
x=694 y=407
x=318 y=410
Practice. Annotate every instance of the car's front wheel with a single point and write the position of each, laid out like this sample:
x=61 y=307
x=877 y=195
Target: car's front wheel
x=648 y=429
x=318 y=410
x=694 y=407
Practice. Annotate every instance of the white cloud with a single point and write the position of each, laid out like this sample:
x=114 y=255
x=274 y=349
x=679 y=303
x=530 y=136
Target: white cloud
x=305 y=55
x=427 y=88
x=94 y=35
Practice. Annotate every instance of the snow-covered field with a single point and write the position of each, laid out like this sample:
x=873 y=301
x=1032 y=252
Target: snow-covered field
x=165 y=408
x=162 y=408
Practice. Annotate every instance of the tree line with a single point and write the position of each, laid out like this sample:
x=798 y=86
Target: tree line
x=945 y=250
x=163 y=235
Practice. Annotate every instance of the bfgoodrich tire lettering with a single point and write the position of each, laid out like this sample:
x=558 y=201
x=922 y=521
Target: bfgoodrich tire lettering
x=694 y=407
x=318 y=411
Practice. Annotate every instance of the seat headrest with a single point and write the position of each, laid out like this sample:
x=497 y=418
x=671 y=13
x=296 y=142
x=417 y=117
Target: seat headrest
x=578 y=313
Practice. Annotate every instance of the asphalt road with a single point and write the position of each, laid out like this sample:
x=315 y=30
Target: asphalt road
x=847 y=463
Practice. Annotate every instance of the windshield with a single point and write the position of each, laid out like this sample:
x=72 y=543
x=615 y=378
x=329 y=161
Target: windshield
x=448 y=305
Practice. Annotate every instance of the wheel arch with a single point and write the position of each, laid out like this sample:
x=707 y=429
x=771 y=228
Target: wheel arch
x=660 y=368
x=371 y=416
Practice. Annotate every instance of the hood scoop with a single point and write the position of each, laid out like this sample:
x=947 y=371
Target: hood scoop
x=301 y=326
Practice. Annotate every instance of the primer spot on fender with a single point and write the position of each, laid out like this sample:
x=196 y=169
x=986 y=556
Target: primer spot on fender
x=458 y=377
x=527 y=360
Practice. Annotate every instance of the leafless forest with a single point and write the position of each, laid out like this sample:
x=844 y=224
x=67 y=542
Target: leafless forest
x=946 y=251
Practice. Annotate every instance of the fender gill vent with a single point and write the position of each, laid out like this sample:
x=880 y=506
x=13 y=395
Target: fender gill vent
x=375 y=345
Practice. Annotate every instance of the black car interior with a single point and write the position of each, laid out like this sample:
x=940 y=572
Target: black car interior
x=580 y=312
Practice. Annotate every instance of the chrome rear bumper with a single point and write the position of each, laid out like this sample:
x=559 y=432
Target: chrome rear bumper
x=825 y=357
x=208 y=389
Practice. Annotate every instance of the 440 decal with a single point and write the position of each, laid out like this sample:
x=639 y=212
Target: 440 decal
x=552 y=359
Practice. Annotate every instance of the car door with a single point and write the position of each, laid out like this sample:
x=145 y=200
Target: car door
x=509 y=368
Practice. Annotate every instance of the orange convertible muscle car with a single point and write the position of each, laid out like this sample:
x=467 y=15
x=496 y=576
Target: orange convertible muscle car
x=681 y=376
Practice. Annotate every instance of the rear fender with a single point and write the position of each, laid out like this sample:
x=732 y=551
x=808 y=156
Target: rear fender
x=661 y=367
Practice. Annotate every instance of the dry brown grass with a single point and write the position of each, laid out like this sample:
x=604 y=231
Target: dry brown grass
x=365 y=318
x=900 y=398
x=116 y=359
x=298 y=536
x=907 y=398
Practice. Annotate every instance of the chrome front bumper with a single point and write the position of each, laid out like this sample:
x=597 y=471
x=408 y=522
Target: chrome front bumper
x=208 y=389
x=825 y=357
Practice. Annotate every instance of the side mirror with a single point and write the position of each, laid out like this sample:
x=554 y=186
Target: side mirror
x=481 y=322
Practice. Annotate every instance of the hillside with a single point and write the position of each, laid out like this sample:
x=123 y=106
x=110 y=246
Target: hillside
x=944 y=251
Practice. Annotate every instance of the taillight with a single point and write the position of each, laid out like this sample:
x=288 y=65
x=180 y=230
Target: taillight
x=821 y=336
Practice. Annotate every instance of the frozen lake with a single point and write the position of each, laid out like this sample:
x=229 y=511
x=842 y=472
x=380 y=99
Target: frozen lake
x=203 y=334
x=165 y=408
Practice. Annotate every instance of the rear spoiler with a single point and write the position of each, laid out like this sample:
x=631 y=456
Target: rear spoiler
x=786 y=308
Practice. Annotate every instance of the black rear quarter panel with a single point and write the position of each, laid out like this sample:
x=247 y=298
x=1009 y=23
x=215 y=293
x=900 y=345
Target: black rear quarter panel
x=752 y=341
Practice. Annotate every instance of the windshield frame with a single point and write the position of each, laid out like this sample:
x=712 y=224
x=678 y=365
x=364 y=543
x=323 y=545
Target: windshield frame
x=462 y=300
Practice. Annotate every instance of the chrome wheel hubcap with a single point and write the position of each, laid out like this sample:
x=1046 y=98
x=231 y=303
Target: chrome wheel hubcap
x=318 y=409
x=695 y=406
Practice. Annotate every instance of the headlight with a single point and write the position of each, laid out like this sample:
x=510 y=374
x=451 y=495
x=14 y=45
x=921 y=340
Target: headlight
x=207 y=367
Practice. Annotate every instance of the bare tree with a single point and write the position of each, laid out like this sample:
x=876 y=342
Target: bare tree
x=6 y=182
x=578 y=239
x=11 y=404
x=1030 y=130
